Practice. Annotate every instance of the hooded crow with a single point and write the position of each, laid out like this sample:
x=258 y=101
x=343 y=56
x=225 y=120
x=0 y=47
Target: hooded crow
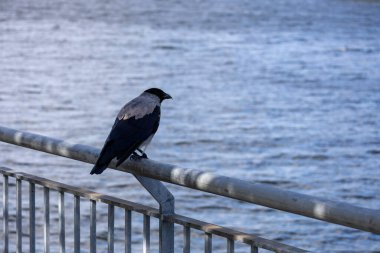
x=134 y=128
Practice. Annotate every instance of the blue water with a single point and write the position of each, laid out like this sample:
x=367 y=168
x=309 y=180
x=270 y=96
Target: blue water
x=279 y=92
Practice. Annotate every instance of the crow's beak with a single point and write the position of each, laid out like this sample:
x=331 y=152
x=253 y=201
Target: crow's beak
x=167 y=96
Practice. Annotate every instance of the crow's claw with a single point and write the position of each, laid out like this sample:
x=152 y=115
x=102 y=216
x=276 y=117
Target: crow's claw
x=135 y=157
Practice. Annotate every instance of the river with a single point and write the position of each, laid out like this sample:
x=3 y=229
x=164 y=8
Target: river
x=285 y=93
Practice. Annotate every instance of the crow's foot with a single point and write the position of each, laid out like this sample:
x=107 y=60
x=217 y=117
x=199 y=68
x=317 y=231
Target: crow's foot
x=136 y=157
x=143 y=154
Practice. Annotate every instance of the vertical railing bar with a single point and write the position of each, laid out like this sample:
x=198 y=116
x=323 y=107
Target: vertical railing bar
x=61 y=211
x=230 y=246
x=93 y=227
x=208 y=242
x=128 y=231
x=254 y=249
x=46 y=220
x=76 y=224
x=146 y=233
x=186 y=239
x=32 y=218
x=5 y=215
x=111 y=214
x=166 y=228
x=18 y=216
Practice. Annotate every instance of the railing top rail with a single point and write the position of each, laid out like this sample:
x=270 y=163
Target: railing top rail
x=318 y=208
x=146 y=210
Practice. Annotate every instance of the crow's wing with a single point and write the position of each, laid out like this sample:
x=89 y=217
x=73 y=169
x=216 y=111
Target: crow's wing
x=126 y=136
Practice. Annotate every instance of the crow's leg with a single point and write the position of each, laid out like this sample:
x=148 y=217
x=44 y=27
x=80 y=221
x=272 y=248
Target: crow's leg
x=136 y=157
x=143 y=154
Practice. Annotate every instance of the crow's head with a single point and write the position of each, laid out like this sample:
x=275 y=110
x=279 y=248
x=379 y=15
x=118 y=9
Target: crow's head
x=159 y=93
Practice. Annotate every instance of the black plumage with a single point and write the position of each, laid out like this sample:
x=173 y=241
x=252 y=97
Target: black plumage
x=134 y=127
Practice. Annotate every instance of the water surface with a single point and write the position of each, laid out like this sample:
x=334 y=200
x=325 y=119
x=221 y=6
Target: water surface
x=285 y=93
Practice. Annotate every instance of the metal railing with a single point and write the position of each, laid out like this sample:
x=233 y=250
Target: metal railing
x=145 y=170
x=254 y=242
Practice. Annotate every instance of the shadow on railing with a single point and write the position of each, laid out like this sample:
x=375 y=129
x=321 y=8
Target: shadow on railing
x=146 y=170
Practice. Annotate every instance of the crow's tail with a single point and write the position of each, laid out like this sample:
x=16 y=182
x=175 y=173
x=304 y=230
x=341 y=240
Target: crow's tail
x=104 y=159
x=98 y=168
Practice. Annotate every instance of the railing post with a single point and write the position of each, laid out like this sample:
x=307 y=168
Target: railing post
x=208 y=242
x=146 y=234
x=61 y=211
x=186 y=239
x=93 y=227
x=166 y=227
x=46 y=220
x=128 y=231
x=19 y=215
x=166 y=201
x=32 y=217
x=76 y=223
x=111 y=228
x=5 y=214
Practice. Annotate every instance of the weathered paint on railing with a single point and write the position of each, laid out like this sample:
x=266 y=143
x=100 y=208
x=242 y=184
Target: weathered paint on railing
x=306 y=205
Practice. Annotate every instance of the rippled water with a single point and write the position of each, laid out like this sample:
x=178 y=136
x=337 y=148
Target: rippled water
x=279 y=92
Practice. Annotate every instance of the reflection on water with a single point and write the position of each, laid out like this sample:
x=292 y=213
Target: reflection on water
x=284 y=93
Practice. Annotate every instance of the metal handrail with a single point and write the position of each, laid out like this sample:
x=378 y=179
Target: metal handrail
x=230 y=234
x=314 y=207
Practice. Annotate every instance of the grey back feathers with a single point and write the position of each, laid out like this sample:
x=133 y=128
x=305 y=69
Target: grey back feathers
x=139 y=107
